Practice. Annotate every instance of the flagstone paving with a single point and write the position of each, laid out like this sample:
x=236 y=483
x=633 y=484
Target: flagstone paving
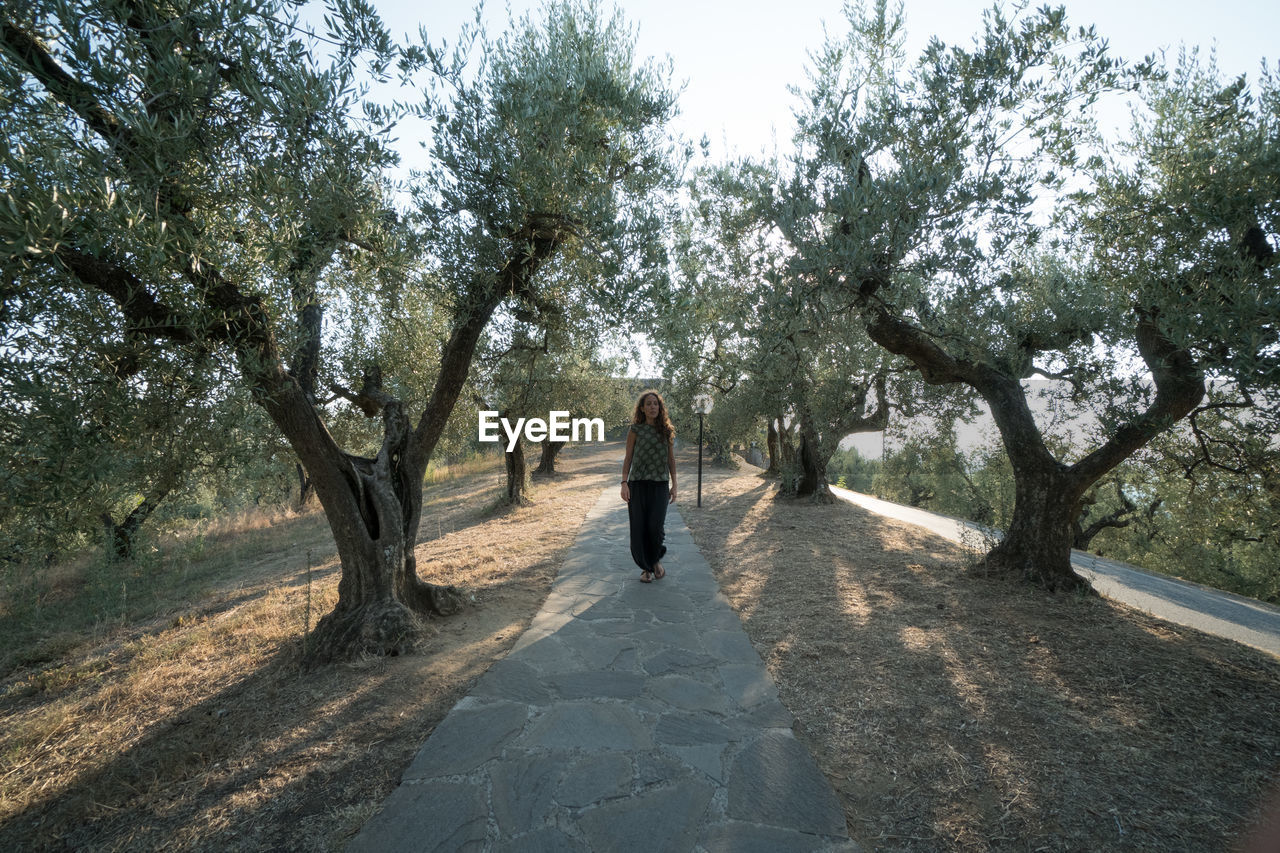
x=628 y=717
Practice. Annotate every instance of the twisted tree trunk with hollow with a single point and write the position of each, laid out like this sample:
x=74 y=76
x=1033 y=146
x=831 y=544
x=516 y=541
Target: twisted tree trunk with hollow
x=811 y=481
x=374 y=505
x=306 y=494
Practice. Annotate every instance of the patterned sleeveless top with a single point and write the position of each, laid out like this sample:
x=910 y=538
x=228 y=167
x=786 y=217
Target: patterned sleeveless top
x=649 y=456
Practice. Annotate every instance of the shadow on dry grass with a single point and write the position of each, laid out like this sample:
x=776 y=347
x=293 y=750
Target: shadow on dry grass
x=951 y=712
x=955 y=712
x=197 y=730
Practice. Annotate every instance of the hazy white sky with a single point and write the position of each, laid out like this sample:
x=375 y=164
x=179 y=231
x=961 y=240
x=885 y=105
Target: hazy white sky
x=739 y=56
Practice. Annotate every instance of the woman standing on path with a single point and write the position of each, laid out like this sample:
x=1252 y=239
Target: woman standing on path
x=649 y=463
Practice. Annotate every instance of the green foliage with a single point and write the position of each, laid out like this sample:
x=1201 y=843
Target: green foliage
x=921 y=474
x=1218 y=481
x=753 y=328
x=83 y=446
x=930 y=472
x=220 y=115
x=1183 y=214
x=560 y=137
x=849 y=470
x=528 y=372
x=195 y=212
x=163 y=169
x=915 y=185
x=969 y=211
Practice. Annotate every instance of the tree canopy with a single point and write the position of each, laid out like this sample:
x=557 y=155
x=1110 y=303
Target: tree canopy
x=208 y=180
x=200 y=212
x=962 y=208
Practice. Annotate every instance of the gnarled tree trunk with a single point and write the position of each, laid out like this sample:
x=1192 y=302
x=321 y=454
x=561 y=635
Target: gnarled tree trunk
x=811 y=465
x=517 y=475
x=1037 y=545
x=122 y=538
x=547 y=461
x=774 y=449
x=817 y=446
x=373 y=507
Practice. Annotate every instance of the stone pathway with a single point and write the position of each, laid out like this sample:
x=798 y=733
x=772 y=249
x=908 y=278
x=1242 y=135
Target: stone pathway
x=628 y=717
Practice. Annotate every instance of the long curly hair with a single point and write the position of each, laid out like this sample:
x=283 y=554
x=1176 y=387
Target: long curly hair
x=666 y=429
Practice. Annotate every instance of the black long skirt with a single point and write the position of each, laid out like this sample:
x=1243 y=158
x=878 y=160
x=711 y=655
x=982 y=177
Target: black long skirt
x=648 y=513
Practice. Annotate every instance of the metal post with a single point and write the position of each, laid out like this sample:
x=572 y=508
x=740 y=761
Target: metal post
x=699 y=458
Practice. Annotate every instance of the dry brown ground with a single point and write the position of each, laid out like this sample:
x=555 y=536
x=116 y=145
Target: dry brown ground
x=951 y=712
x=961 y=713
x=200 y=731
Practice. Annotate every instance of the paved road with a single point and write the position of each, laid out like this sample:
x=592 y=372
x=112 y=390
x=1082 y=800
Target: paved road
x=628 y=717
x=1222 y=614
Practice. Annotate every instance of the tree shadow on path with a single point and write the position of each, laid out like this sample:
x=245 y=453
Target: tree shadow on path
x=958 y=712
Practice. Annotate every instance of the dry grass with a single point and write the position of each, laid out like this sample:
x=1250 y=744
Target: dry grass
x=198 y=731
x=959 y=713
x=84 y=600
x=952 y=713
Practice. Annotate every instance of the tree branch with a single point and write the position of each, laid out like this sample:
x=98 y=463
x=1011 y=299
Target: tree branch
x=1179 y=390
x=936 y=365
x=37 y=61
x=371 y=400
x=534 y=244
x=146 y=314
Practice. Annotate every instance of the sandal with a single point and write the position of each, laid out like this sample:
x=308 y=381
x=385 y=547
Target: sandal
x=646 y=577
x=658 y=572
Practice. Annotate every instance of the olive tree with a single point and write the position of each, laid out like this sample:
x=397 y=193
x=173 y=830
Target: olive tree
x=98 y=437
x=195 y=168
x=752 y=326
x=922 y=196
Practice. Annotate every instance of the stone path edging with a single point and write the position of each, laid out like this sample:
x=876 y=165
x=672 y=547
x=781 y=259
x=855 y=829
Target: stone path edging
x=628 y=717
